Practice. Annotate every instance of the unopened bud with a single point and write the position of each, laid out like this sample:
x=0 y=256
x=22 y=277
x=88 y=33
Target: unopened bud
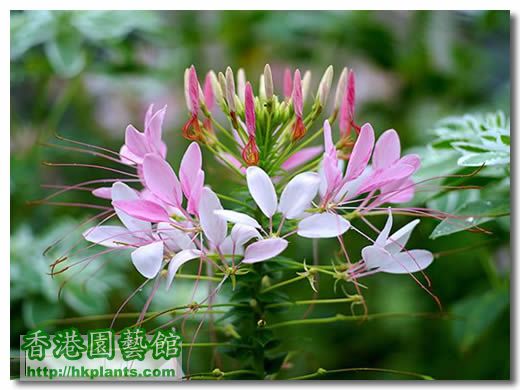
x=241 y=84
x=287 y=84
x=230 y=90
x=222 y=83
x=341 y=88
x=268 y=81
x=217 y=89
x=324 y=87
x=187 y=88
x=261 y=89
x=306 y=82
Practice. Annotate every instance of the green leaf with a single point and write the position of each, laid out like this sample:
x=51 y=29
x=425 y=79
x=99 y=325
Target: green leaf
x=110 y=25
x=474 y=316
x=65 y=54
x=35 y=313
x=488 y=158
x=476 y=212
x=29 y=29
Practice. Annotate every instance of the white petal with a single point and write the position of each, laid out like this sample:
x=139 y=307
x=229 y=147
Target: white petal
x=110 y=236
x=323 y=225
x=409 y=262
x=298 y=194
x=179 y=238
x=262 y=190
x=236 y=217
x=178 y=260
x=375 y=257
x=383 y=235
x=264 y=250
x=214 y=226
x=240 y=234
x=120 y=191
x=397 y=241
x=148 y=259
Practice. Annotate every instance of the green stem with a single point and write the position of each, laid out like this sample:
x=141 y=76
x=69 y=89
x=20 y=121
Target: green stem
x=342 y=318
x=321 y=371
x=312 y=302
x=284 y=283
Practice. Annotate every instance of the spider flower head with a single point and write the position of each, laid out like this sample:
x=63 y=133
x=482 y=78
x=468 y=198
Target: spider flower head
x=262 y=129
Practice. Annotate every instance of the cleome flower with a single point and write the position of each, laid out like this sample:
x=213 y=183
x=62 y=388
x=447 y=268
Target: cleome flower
x=388 y=253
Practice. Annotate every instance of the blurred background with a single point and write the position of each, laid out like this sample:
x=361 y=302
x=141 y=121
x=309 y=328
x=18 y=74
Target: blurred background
x=86 y=75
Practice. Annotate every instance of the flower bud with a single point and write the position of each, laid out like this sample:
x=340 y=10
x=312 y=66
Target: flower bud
x=341 y=88
x=230 y=90
x=222 y=83
x=250 y=153
x=287 y=84
x=261 y=88
x=306 y=81
x=217 y=89
x=324 y=87
x=268 y=81
x=209 y=94
x=250 y=110
x=346 y=117
x=241 y=84
x=297 y=94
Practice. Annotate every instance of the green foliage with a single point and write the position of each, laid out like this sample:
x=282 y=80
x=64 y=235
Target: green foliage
x=475 y=314
x=65 y=34
x=37 y=293
x=481 y=139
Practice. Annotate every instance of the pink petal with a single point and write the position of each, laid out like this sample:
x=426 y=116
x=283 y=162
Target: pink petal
x=195 y=193
x=301 y=157
x=148 y=259
x=191 y=164
x=413 y=160
x=361 y=152
x=161 y=180
x=153 y=132
x=136 y=141
x=127 y=157
x=120 y=191
x=387 y=150
x=148 y=116
x=264 y=250
x=250 y=110
x=330 y=148
x=401 y=191
x=103 y=192
x=143 y=210
x=297 y=94
x=380 y=178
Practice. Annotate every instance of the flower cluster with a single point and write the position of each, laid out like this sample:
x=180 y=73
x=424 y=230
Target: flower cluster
x=294 y=188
